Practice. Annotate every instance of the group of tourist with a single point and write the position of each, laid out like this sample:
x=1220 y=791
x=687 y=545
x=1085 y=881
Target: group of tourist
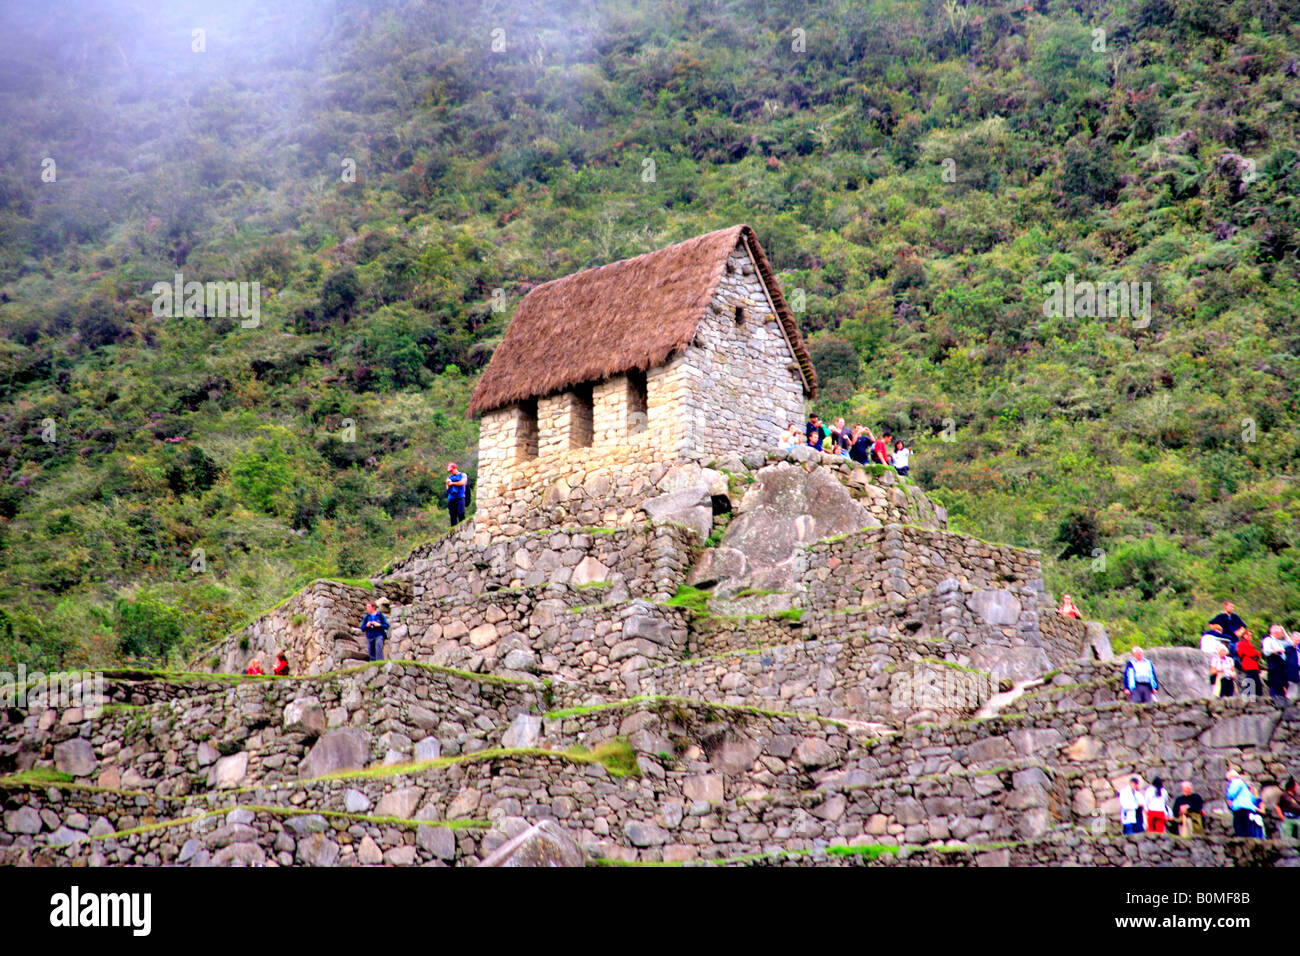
x=1234 y=657
x=281 y=669
x=857 y=443
x=1149 y=810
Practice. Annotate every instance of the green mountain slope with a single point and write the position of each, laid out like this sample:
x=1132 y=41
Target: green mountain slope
x=396 y=175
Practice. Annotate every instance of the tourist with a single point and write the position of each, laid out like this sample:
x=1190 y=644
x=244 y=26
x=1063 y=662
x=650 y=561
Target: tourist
x=814 y=432
x=1156 y=801
x=255 y=668
x=1288 y=809
x=457 y=483
x=375 y=626
x=844 y=442
x=1274 y=650
x=1067 y=609
x=1140 y=678
x=1189 y=811
x=1243 y=802
x=1212 y=639
x=1131 y=807
x=1229 y=623
x=1223 y=676
x=902 y=456
x=1248 y=655
x=281 y=665
x=862 y=441
x=1293 y=665
x=790 y=438
x=880 y=450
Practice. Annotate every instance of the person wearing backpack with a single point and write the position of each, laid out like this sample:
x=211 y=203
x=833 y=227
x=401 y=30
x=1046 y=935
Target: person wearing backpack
x=457 y=485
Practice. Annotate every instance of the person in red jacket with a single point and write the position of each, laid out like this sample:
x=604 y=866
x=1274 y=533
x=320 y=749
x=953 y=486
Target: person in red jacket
x=255 y=668
x=281 y=665
x=1249 y=655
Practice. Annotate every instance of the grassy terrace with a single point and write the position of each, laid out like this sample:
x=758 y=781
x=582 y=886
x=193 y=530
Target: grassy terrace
x=659 y=701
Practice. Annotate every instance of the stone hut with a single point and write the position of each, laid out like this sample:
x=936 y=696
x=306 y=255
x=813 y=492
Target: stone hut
x=688 y=353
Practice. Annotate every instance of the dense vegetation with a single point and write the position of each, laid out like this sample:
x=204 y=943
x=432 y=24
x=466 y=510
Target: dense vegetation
x=917 y=171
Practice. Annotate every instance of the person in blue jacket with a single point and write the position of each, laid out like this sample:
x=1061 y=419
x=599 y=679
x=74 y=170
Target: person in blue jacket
x=375 y=626
x=1140 y=678
x=1244 y=804
x=457 y=482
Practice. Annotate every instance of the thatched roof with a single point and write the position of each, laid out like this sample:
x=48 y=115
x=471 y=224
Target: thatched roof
x=633 y=314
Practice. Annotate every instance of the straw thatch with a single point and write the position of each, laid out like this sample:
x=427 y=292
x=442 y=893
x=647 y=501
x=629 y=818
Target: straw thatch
x=633 y=314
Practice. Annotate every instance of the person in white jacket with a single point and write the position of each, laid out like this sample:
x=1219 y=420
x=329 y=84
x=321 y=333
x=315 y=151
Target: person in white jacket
x=1132 y=806
x=1156 y=801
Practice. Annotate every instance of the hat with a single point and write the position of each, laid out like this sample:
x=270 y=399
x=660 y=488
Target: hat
x=451 y=466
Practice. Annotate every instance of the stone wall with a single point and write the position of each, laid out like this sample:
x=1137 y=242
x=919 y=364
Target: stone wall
x=744 y=386
x=560 y=633
x=638 y=561
x=263 y=730
x=89 y=824
x=895 y=562
x=868 y=677
x=318 y=628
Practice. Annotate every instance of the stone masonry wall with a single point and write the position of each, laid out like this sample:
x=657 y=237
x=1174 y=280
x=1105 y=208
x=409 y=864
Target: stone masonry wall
x=894 y=562
x=246 y=732
x=319 y=628
x=744 y=389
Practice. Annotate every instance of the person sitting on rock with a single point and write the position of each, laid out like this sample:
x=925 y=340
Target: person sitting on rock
x=880 y=450
x=1212 y=639
x=1131 y=807
x=255 y=668
x=790 y=438
x=1189 y=811
x=902 y=457
x=375 y=626
x=281 y=665
x=1067 y=609
x=814 y=432
x=1288 y=809
x=1248 y=654
x=1140 y=678
x=1223 y=673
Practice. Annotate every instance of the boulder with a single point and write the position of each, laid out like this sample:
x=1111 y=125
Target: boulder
x=399 y=803
x=317 y=850
x=692 y=508
x=1011 y=663
x=524 y=731
x=1097 y=641
x=787 y=508
x=75 y=757
x=228 y=772
x=343 y=749
x=589 y=571
x=543 y=844
x=304 y=716
x=996 y=607
x=1248 y=730
x=1183 y=672
x=440 y=841
x=717 y=564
